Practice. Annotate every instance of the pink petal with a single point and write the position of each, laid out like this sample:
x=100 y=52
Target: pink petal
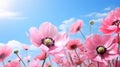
x=35 y=36
x=61 y=39
x=48 y=29
x=44 y=48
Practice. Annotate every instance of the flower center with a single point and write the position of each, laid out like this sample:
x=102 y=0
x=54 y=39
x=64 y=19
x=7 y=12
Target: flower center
x=101 y=49
x=2 y=56
x=48 y=41
x=117 y=22
x=74 y=46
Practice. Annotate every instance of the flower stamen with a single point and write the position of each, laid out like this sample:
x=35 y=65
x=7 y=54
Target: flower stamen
x=48 y=41
x=101 y=49
x=117 y=22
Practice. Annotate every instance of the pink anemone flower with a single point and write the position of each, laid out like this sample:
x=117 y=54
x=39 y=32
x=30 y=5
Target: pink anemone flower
x=76 y=27
x=5 y=51
x=101 y=48
x=73 y=44
x=111 y=24
x=41 y=56
x=14 y=63
x=48 y=38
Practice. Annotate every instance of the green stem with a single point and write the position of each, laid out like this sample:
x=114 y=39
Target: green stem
x=21 y=60
x=78 y=56
x=109 y=63
x=67 y=57
x=50 y=61
x=82 y=34
x=44 y=60
x=98 y=64
x=71 y=59
x=118 y=49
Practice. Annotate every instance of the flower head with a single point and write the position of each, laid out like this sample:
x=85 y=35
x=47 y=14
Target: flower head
x=101 y=48
x=73 y=44
x=111 y=24
x=41 y=56
x=14 y=63
x=48 y=38
x=76 y=27
x=5 y=51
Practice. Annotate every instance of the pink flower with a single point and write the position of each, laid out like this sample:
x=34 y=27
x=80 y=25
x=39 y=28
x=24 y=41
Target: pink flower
x=41 y=56
x=48 y=38
x=76 y=27
x=118 y=63
x=73 y=44
x=5 y=51
x=47 y=65
x=25 y=47
x=101 y=48
x=111 y=24
x=14 y=63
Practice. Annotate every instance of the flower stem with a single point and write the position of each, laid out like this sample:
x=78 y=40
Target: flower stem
x=44 y=60
x=21 y=60
x=109 y=63
x=50 y=61
x=98 y=64
x=67 y=58
x=118 y=50
x=82 y=35
x=71 y=59
x=78 y=56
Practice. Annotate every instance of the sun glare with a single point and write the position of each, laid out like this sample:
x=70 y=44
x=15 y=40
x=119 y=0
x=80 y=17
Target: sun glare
x=5 y=4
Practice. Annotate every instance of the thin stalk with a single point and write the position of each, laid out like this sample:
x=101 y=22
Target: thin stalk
x=77 y=56
x=67 y=58
x=21 y=60
x=82 y=35
x=44 y=60
x=98 y=64
x=50 y=61
x=109 y=63
x=118 y=49
x=71 y=59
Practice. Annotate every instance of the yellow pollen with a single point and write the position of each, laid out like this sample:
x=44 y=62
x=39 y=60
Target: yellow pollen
x=101 y=49
x=47 y=41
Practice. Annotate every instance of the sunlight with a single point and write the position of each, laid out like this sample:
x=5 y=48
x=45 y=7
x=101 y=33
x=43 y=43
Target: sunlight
x=6 y=4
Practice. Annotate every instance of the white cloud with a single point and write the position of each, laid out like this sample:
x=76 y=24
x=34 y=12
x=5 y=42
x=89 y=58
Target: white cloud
x=98 y=16
x=97 y=20
x=5 y=14
x=101 y=14
x=66 y=24
x=107 y=9
x=17 y=45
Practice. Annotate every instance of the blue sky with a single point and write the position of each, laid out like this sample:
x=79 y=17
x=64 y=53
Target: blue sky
x=27 y=13
x=17 y=16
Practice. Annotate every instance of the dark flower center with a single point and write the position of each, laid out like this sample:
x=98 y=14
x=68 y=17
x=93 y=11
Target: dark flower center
x=74 y=46
x=101 y=49
x=2 y=56
x=48 y=42
x=78 y=28
x=117 y=22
